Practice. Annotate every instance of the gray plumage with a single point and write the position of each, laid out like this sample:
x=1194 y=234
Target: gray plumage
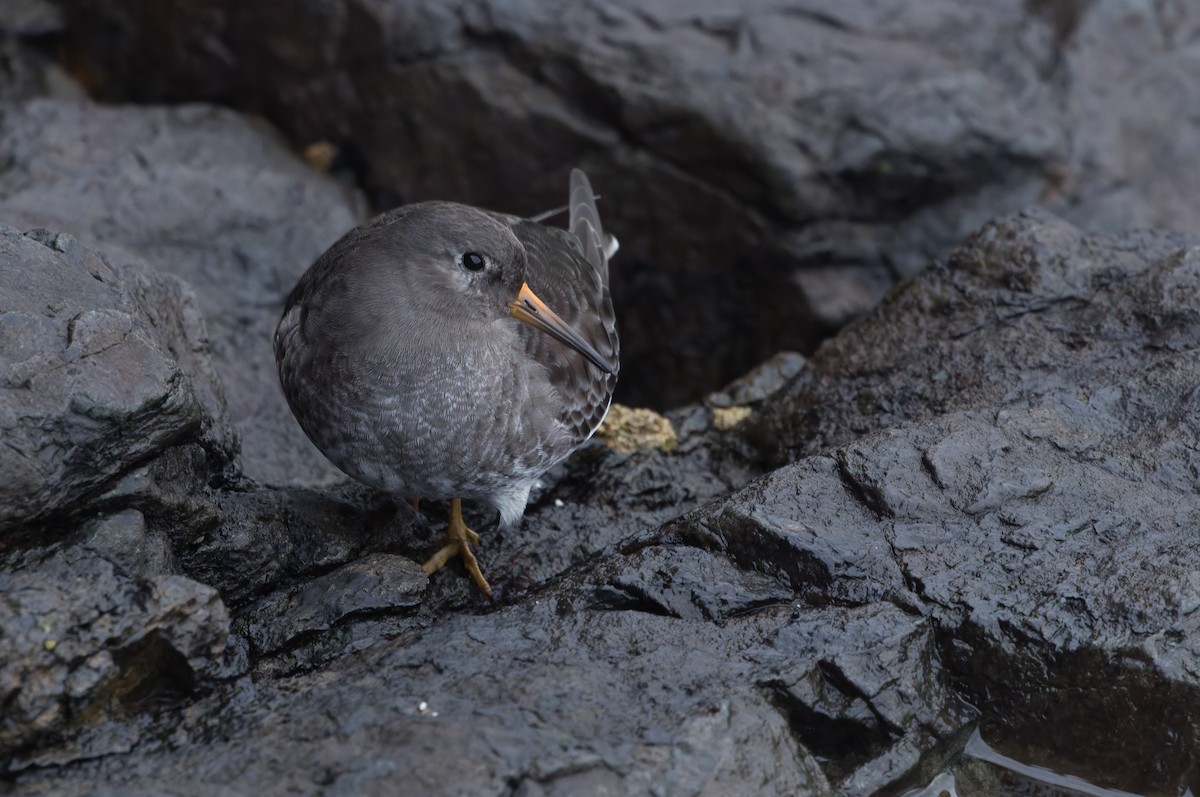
x=408 y=370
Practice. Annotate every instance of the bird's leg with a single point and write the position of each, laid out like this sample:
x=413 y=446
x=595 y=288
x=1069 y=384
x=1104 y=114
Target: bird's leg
x=458 y=543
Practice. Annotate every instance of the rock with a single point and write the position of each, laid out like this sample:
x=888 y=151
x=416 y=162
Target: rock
x=983 y=493
x=91 y=382
x=652 y=583
x=796 y=525
x=560 y=695
x=205 y=195
x=103 y=374
x=171 y=307
x=26 y=71
x=1031 y=311
x=863 y=689
x=1006 y=546
x=1029 y=485
x=603 y=496
x=250 y=542
x=515 y=717
x=760 y=383
x=375 y=583
x=1060 y=583
x=777 y=166
x=123 y=539
x=81 y=664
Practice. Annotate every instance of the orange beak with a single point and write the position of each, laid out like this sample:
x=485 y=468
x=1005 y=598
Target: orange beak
x=528 y=308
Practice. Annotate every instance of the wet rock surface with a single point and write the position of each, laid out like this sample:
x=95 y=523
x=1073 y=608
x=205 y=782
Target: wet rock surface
x=92 y=382
x=1034 y=316
x=794 y=158
x=208 y=196
x=966 y=517
x=1016 y=558
x=90 y=649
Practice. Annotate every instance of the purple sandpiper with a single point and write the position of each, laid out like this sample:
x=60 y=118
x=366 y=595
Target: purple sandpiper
x=401 y=355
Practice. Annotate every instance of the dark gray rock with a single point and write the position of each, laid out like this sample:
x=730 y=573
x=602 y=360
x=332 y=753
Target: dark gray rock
x=205 y=195
x=371 y=584
x=760 y=383
x=777 y=166
x=604 y=496
x=1034 y=483
x=88 y=649
x=1062 y=587
x=26 y=70
x=1008 y=544
x=670 y=706
x=715 y=588
x=104 y=374
x=986 y=489
x=91 y=376
x=1030 y=312
x=29 y=18
x=123 y=539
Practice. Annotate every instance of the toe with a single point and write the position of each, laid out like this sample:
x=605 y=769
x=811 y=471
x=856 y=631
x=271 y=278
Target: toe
x=439 y=559
x=472 y=566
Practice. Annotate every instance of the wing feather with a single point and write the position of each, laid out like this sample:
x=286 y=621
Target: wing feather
x=585 y=223
x=568 y=269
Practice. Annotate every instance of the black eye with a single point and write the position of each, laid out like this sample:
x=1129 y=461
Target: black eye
x=473 y=261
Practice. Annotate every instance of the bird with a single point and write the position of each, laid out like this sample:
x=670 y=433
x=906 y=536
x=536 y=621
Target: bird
x=443 y=351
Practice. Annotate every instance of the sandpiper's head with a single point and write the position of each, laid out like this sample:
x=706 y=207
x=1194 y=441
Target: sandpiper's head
x=456 y=263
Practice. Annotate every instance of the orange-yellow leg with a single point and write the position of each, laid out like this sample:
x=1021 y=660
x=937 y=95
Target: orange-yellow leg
x=458 y=543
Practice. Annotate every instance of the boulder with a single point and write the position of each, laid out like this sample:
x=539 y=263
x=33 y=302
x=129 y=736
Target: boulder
x=89 y=647
x=104 y=373
x=1030 y=315
x=770 y=169
x=205 y=195
x=99 y=375
x=948 y=593
x=947 y=549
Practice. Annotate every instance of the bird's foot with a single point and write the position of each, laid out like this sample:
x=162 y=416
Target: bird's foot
x=459 y=539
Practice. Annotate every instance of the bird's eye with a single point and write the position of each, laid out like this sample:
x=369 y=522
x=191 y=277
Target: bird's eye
x=473 y=261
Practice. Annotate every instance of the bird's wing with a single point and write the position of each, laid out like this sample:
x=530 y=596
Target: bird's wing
x=585 y=224
x=568 y=270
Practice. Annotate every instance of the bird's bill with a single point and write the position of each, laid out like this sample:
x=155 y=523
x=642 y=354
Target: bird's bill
x=528 y=308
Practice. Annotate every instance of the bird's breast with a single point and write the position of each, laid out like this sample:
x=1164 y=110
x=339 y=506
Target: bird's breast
x=461 y=419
